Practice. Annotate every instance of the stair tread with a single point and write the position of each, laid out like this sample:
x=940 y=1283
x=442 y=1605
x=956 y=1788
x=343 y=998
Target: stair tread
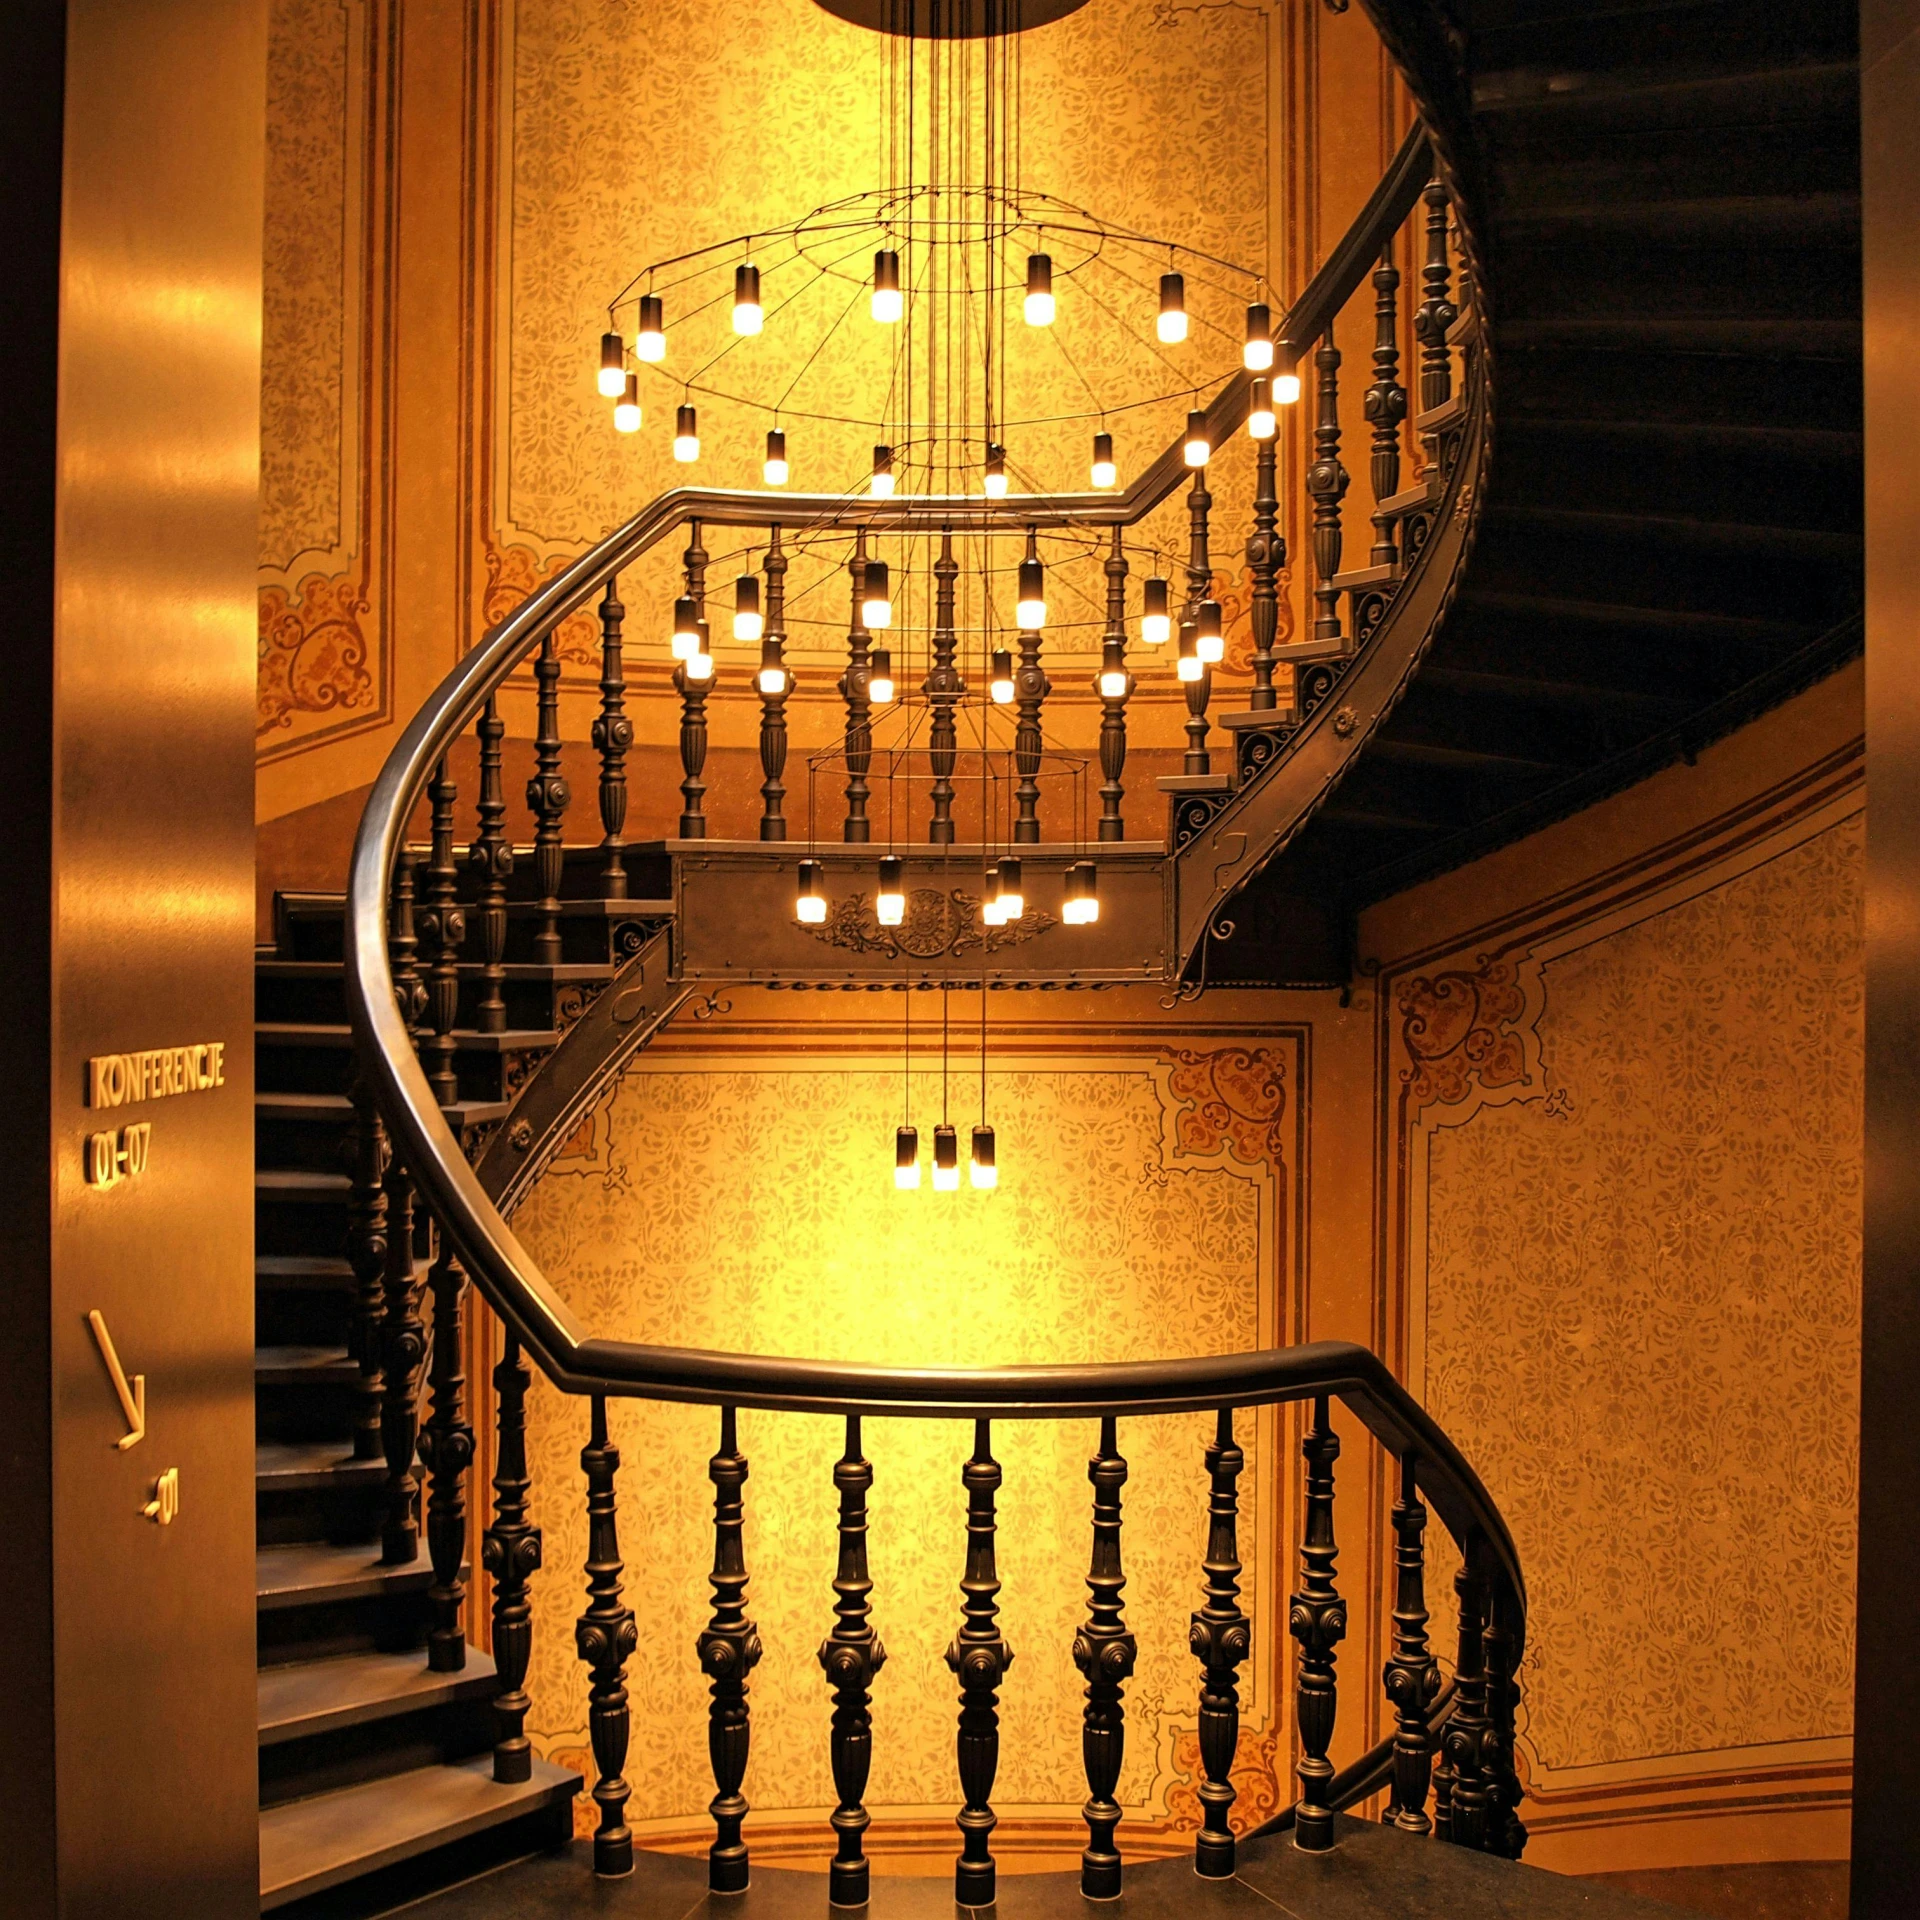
x=306 y=1697
x=301 y=1362
x=300 y=1180
x=316 y=1033
x=309 y=1845
x=307 y=1571
x=301 y=1269
x=290 y=1463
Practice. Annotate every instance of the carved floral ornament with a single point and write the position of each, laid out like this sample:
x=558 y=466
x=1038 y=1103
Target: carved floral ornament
x=1464 y=1030
x=1235 y=1098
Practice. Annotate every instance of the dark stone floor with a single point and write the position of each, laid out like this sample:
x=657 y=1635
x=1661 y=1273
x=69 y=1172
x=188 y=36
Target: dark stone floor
x=1372 y=1874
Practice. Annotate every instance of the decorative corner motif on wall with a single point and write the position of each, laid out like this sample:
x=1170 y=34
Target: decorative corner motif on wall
x=936 y=924
x=1234 y=1098
x=1465 y=1031
x=514 y=572
x=313 y=652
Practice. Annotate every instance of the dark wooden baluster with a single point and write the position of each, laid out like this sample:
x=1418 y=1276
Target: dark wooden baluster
x=1221 y=1639
x=1199 y=588
x=443 y=929
x=612 y=737
x=1318 y=1620
x=1327 y=485
x=773 y=706
x=729 y=1650
x=1412 y=1675
x=1468 y=1729
x=1113 y=707
x=446 y=1450
x=693 y=750
x=511 y=1554
x=945 y=689
x=1030 y=689
x=1266 y=555
x=1386 y=406
x=1437 y=312
x=403 y=1347
x=854 y=691
x=547 y=798
x=1104 y=1652
x=367 y=1256
x=1505 y=1833
x=491 y=858
x=606 y=1636
x=850 y=1656
x=979 y=1658
x=403 y=945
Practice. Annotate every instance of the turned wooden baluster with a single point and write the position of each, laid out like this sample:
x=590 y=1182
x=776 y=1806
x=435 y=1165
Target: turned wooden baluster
x=850 y=1656
x=511 y=1554
x=446 y=1450
x=1437 y=311
x=547 y=798
x=854 y=691
x=606 y=1636
x=443 y=930
x=773 y=706
x=1386 y=407
x=1199 y=588
x=1326 y=486
x=1221 y=1638
x=367 y=1256
x=693 y=698
x=1412 y=1675
x=491 y=858
x=979 y=1658
x=612 y=737
x=1113 y=706
x=1104 y=1652
x=729 y=1650
x=1318 y=1620
x=1030 y=689
x=1505 y=1833
x=945 y=689
x=1468 y=1730
x=1266 y=555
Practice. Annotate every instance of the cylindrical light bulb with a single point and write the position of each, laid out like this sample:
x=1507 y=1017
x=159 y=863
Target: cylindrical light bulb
x=613 y=365
x=626 y=410
x=700 y=666
x=1257 y=354
x=876 y=602
x=882 y=482
x=1113 y=670
x=1013 y=903
x=890 y=903
x=1000 y=678
x=1173 y=308
x=773 y=672
x=906 y=1157
x=946 y=1160
x=810 y=906
x=1083 y=897
x=686 y=628
x=650 y=342
x=1286 y=388
x=1039 y=290
x=888 y=302
x=1208 y=640
x=775 y=470
x=1260 y=421
x=1156 y=624
x=880 y=677
x=1103 y=472
x=990 y=909
x=994 y=482
x=747 y=624
x=1031 y=609
x=748 y=316
x=1199 y=445
x=1190 y=666
x=982 y=1171
x=686 y=435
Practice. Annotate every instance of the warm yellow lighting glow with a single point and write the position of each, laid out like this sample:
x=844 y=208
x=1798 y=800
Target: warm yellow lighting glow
x=994 y=481
x=613 y=366
x=700 y=667
x=982 y=1170
x=1260 y=421
x=1257 y=354
x=810 y=907
x=906 y=1157
x=1286 y=388
x=1113 y=684
x=1031 y=609
x=686 y=435
x=880 y=677
x=626 y=410
x=946 y=1160
x=1013 y=903
x=1190 y=666
x=876 y=598
x=686 y=629
x=1156 y=624
x=1103 y=473
x=1082 y=907
x=650 y=343
x=1000 y=677
x=773 y=680
x=1172 y=325
x=888 y=303
x=775 y=470
x=747 y=623
x=882 y=481
x=890 y=903
x=1039 y=303
x=1199 y=447
x=748 y=316
x=1208 y=640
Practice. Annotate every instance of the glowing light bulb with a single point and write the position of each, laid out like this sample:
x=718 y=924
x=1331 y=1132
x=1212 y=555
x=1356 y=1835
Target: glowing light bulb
x=1000 y=678
x=1286 y=388
x=1112 y=682
x=1031 y=608
x=982 y=1171
x=747 y=624
x=1208 y=641
x=686 y=435
x=1190 y=666
x=810 y=906
x=1257 y=354
x=686 y=628
x=1082 y=907
x=700 y=665
x=775 y=470
x=1156 y=624
x=1199 y=447
x=880 y=677
x=990 y=907
x=1039 y=290
x=890 y=903
x=906 y=1157
x=1013 y=903
x=613 y=365
x=888 y=302
x=994 y=482
x=882 y=482
x=1260 y=421
x=946 y=1160
x=626 y=410
x=1103 y=472
x=1172 y=325
x=876 y=602
x=650 y=343
x=748 y=315
x=772 y=677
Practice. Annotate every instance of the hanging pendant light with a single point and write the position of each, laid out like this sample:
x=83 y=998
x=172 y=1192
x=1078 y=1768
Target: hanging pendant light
x=686 y=628
x=888 y=303
x=882 y=482
x=747 y=624
x=772 y=678
x=994 y=481
x=1190 y=666
x=626 y=410
x=880 y=677
x=1209 y=642
x=650 y=342
x=990 y=906
x=1199 y=447
x=686 y=435
x=1030 y=611
x=876 y=602
x=1112 y=683
x=890 y=903
x=774 y=472
x=906 y=1157
x=699 y=664
x=1013 y=903
x=982 y=1170
x=748 y=316
x=1286 y=388
x=1000 y=677
x=1172 y=324
x=1257 y=355
x=1082 y=907
x=613 y=365
x=1103 y=473
x=1156 y=624
x=946 y=1160
x=810 y=906
x=1039 y=307
x=1261 y=424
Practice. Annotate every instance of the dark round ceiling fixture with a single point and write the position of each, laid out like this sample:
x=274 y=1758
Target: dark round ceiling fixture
x=951 y=19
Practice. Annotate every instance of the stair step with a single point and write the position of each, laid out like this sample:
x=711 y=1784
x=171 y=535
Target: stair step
x=309 y=1366
x=307 y=1573
x=299 y=1272
x=309 y=1697
x=286 y=1183
x=281 y=1466
x=309 y=1845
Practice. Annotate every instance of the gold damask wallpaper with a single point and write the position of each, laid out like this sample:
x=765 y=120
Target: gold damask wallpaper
x=747 y=1202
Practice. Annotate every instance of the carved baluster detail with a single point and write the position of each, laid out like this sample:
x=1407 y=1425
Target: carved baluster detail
x=403 y=945
x=1468 y=1730
x=1437 y=310
x=612 y=737
x=1113 y=706
x=1221 y=1639
x=491 y=858
x=1104 y=1652
x=729 y=1650
x=1412 y=1675
x=850 y=1656
x=1327 y=485
x=1386 y=406
x=1030 y=689
x=1266 y=556
x=443 y=927
x=854 y=691
x=606 y=1636
x=547 y=798
x=367 y=1256
x=979 y=1658
x=1199 y=588
x=693 y=749
x=511 y=1555
x=1505 y=1833
x=446 y=1450
x=1318 y=1620
x=403 y=1347
x=773 y=706
x=945 y=690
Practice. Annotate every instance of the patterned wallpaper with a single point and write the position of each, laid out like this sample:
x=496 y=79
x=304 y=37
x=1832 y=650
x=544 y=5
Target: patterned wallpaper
x=747 y=1203
x=1642 y=1301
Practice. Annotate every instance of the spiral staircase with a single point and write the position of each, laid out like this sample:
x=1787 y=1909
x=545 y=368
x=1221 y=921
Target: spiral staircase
x=1635 y=524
